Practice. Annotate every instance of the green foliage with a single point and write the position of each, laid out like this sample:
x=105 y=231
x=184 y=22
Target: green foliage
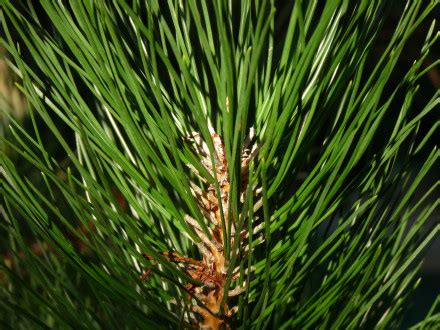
x=336 y=237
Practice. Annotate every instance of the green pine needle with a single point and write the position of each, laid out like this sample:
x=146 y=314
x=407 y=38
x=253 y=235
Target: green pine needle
x=101 y=177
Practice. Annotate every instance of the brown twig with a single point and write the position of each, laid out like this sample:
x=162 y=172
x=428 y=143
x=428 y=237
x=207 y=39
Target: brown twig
x=212 y=270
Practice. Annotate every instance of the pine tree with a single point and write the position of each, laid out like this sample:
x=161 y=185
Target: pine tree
x=215 y=164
